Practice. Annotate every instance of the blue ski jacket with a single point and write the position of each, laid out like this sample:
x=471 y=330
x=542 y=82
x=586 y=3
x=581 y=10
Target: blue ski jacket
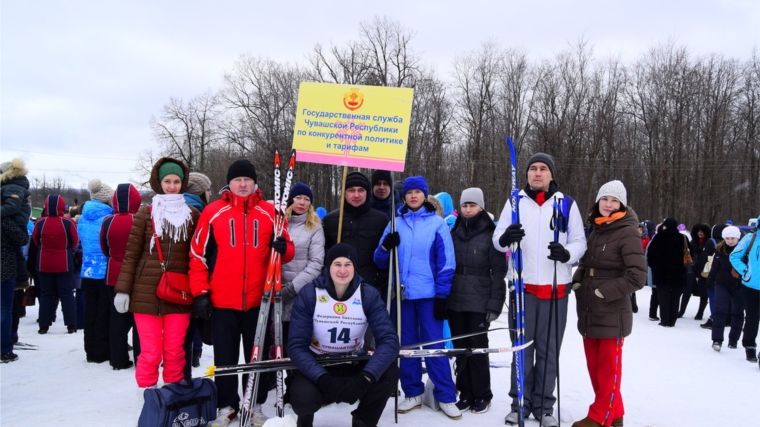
x=94 y=263
x=750 y=271
x=426 y=253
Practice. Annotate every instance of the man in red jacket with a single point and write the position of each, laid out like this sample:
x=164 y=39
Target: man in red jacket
x=228 y=264
x=51 y=255
x=114 y=234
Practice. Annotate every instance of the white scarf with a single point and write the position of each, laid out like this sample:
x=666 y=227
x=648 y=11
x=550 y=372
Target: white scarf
x=170 y=215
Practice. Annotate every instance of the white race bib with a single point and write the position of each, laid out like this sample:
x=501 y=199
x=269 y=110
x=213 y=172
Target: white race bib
x=339 y=326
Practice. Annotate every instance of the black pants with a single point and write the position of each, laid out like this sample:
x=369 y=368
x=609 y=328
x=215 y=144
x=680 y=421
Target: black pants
x=752 y=316
x=192 y=328
x=729 y=309
x=473 y=373
x=119 y=325
x=654 y=303
x=306 y=398
x=98 y=300
x=227 y=327
x=669 y=299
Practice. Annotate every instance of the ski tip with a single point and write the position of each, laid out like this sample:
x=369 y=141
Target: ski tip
x=210 y=371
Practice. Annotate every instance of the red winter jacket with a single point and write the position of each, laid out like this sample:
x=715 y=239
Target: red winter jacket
x=53 y=239
x=230 y=250
x=114 y=232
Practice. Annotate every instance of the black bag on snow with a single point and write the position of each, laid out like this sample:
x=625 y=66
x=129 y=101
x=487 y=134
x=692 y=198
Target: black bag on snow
x=183 y=404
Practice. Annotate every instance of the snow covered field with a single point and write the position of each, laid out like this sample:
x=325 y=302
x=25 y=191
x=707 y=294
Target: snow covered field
x=671 y=377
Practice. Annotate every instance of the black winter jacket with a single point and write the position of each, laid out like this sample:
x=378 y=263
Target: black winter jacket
x=720 y=271
x=362 y=229
x=13 y=237
x=478 y=284
x=665 y=258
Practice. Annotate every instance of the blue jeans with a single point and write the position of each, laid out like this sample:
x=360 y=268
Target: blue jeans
x=7 y=288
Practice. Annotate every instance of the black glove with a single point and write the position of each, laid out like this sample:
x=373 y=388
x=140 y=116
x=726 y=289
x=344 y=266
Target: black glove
x=330 y=386
x=391 y=240
x=513 y=234
x=491 y=316
x=558 y=252
x=439 y=309
x=202 y=307
x=280 y=245
x=355 y=388
x=288 y=293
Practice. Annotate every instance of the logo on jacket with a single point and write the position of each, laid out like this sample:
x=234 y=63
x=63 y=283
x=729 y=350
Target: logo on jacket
x=357 y=301
x=322 y=298
x=339 y=308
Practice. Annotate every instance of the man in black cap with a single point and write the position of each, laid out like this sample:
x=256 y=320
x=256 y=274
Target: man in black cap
x=535 y=233
x=362 y=229
x=229 y=256
x=382 y=191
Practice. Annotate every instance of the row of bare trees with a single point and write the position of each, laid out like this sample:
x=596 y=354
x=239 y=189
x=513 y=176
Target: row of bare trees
x=682 y=132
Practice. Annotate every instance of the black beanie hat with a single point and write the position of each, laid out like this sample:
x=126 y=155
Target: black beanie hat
x=340 y=250
x=300 y=189
x=543 y=158
x=381 y=175
x=357 y=179
x=242 y=167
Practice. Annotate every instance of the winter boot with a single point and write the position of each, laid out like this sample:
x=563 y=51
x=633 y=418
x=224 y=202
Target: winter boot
x=512 y=418
x=224 y=416
x=464 y=404
x=751 y=355
x=707 y=325
x=71 y=329
x=549 y=421
x=732 y=344
x=8 y=357
x=717 y=345
x=410 y=404
x=480 y=406
x=451 y=410
x=43 y=331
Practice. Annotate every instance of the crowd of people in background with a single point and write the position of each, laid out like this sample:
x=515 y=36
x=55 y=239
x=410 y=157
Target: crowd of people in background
x=102 y=263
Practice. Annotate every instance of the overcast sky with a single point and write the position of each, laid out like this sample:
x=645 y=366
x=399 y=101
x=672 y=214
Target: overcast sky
x=81 y=79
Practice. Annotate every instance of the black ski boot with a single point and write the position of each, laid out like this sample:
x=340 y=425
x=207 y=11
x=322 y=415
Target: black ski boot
x=707 y=325
x=751 y=355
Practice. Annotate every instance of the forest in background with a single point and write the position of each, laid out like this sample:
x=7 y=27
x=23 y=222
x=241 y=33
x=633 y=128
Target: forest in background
x=681 y=131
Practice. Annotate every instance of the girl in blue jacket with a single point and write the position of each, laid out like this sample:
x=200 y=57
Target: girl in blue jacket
x=426 y=267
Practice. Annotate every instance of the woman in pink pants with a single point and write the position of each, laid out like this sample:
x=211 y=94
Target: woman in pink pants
x=161 y=326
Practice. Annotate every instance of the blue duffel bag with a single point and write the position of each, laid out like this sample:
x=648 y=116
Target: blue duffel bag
x=183 y=404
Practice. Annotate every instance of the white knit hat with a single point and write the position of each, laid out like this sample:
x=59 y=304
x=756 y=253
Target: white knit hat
x=731 y=231
x=472 y=195
x=615 y=189
x=100 y=191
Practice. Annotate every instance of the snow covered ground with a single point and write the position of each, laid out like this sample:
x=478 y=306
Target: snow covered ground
x=671 y=377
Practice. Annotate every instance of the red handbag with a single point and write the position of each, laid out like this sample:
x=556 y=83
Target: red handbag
x=173 y=287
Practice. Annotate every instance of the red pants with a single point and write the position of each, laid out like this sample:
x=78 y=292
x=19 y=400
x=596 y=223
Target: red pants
x=604 y=359
x=161 y=338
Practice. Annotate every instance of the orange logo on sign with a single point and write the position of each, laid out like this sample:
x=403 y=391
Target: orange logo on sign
x=339 y=308
x=353 y=100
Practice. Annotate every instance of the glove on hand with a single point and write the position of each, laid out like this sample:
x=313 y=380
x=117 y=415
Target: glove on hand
x=513 y=234
x=121 y=302
x=355 y=388
x=439 y=309
x=598 y=293
x=557 y=252
x=202 y=306
x=280 y=245
x=391 y=240
x=330 y=386
x=288 y=293
x=576 y=286
x=491 y=316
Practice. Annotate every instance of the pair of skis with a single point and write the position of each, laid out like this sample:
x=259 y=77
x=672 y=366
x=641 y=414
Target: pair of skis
x=331 y=360
x=272 y=288
x=517 y=295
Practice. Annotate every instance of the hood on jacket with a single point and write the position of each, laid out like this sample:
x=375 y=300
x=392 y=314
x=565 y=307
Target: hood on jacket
x=717 y=232
x=324 y=281
x=650 y=228
x=704 y=228
x=447 y=202
x=16 y=168
x=155 y=183
x=126 y=199
x=194 y=201
x=94 y=210
x=54 y=206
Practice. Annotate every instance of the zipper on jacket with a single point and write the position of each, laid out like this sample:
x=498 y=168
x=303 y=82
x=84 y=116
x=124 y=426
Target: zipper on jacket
x=232 y=232
x=603 y=247
x=255 y=233
x=245 y=247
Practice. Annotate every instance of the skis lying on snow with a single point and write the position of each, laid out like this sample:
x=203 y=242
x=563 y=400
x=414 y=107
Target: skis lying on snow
x=330 y=360
x=25 y=346
x=272 y=287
